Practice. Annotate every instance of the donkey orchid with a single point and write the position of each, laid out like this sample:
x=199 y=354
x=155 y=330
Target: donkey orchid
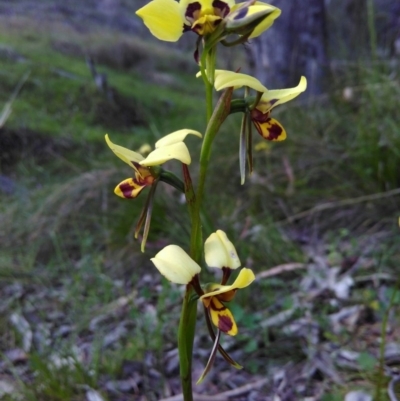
x=167 y=148
x=267 y=127
x=178 y=267
x=167 y=19
x=148 y=172
x=256 y=110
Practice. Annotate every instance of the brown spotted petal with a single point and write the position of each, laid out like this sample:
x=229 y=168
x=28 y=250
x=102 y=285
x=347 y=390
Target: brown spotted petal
x=222 y=317
x=129 y=188
x=215 y=294
x=268 y=127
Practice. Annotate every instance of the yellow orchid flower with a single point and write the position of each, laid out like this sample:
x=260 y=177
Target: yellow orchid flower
x=267 y=127
x=148 y=172
x=167 y=19
x=131 y=187
x=178 y=267
x=256 y=109
x=167 y=148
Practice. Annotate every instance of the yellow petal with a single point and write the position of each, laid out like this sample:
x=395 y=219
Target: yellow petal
x=244 y=279
x=255 y=18
x=273 y=98
x=176 y=265
x=266 y=22
x=128 y=189
x=178 y=151
x=272 y=130
x=224 y=297
x=175 y=137
x=163 y=18
x=220 y=252
x=222 y=317
x=226 y=79
x=126 y=155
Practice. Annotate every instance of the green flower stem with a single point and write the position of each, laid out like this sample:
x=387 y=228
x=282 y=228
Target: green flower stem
x=219 y=115
x=186 y=331
x=209 y=97
x=207 y=68
x=189 y=309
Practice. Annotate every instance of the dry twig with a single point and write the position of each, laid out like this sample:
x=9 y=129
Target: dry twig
x=287 y=267
x=343 y=202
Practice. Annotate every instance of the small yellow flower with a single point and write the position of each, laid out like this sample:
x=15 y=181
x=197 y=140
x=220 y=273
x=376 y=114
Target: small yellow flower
x=167 y=148
x=167 y=19
x=267 y=127
x=131 y=187
x=148 y=172
x=178 y=267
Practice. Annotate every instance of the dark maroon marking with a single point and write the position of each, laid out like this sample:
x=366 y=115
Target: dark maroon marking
x=126 y=190
x=191 y=9
x=241 y=14
x=274 y=132
x=222 y=6
x=259 y=116
x=273 y=101
x=226 y=272
x=224 y=323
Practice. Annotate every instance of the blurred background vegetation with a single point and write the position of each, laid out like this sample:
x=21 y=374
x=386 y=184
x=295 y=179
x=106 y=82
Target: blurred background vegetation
x=83 y=312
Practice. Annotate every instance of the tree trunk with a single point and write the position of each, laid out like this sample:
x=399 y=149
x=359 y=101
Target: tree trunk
x=294 y=46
